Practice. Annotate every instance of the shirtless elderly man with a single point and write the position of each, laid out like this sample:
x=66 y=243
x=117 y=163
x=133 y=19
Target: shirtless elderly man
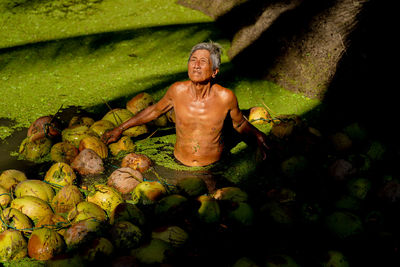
x=201 y=107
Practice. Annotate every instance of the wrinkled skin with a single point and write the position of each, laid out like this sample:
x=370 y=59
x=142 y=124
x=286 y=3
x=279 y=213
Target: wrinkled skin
x=200 y=110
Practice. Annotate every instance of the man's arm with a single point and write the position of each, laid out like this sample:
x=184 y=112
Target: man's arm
x=148 y=114
x=241 y=125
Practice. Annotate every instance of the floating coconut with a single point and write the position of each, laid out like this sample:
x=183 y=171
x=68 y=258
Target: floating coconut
x=81 y=233
x=17 y=219
x=35 y=150
x=334 y=258
x=87 y=210
x=137 y=162
x=46 y=126
x=340 y=169
x=154 y=252
x=99 y=249
x=244 y=262
x=12 y=246
x=127 y=212
x=106 y=197
x=161 y=121
x=173 y=235
x=55 y=222
x=88 y=162
x=192 y=186
x=78 y=120
x=209 y=211
x=63 y=152
x=125 y=179
x=359 y=187
x=36 y=188
x=343 y=224
x=259 y=115
x=75 y=134
x=148 y=193
x=102 y=126
x=66 y=199
x=44 y=244
x=117 y=116
x=33 y=207
x=231 y=194
x=139 y=102
x=340 y=141
x=243 y=214
x=280 y=260
x=10 y=178
x=285 y=125
x=60 y=174
x=171 y=207
x=123 y=145
x=294 y=165
x=125 y=235
x=95 y=144
x=5 y=197
x=136 y=130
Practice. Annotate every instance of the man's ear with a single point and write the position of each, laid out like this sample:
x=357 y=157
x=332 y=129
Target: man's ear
x=215 y=73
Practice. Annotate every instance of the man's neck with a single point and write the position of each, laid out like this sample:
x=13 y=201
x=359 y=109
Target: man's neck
x=200 y=90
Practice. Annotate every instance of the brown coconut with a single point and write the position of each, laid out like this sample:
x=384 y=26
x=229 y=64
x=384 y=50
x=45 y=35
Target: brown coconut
x=125 y=179
x=95 y=144
x=66 y=199
x=88 y=162
x=135 y=161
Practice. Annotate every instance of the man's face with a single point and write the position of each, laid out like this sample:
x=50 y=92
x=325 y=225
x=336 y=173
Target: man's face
x=200 y=66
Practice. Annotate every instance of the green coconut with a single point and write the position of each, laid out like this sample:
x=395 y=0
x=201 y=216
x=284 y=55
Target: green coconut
x=161 y=121
x=376 y=151
x=128 y=212
x=173 y=235
x=44 y=244
x=33 y=207
x=35 y=150
x=154 y=252
x=243 y=214
x=148 y=193
x=359 y=187
x=67 y=260
x=139 y=102
x=259 y=115
x=294 y=165
x=75 y=134
x=94 y=143
x=280 y=213
x=60 y=174
x=123 y=145
x=106 y=197
x=209 y=210
x=66 y=199
x=334 y=258
x=10 y=178
x=36 y=188
x=126 y=235
x=17 y=220
x=310 y=212
x=344 y=224
x=117 y=116
x=171 y=207
x=63 y=152
x=231 y=194
x=79 y=120
x=340 y=141
x=245 y=262
x=280 y=260
x=5 y=197
x=81 y=233
x=86 y=210
x=347 y=202
x=102 y=126
x=100 y=248
x=55 y=222
x=192 y=186
x=12 y=246
x=136 y=130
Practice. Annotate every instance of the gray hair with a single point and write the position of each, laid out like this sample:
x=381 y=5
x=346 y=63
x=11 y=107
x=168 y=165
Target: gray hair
x=215 y=50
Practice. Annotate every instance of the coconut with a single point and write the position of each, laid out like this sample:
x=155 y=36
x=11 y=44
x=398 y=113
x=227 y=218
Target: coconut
x=81 y=233
x=55 y=222
x=75 y=134
x=154 y=252
x=340 y=169
x=192 y=186
x=139 y=102
x=66 y=260
x=171 y=207
x=137 y=162
x=102 y=126
x=148 y=192
x=66 y=199
x=231 y=194
x=117 y=116
x=78 y=120
x=359 y=187
x=127 y=212
x=35 y=150
x=125 y=179
x=95 y=144
x=124 y=144
x=126 y=235
x=346 y=202
x=5 y=197
x=334 y=258
x=12 y=246
x=10 y=178
x=17 y=219
x=63 y=152
x=285 y=125
x=209 y=211
x=88 y=162
x=87 y=210
x=99 y=249
x=136 y=130
x=244 y=262
x=44 y=124
x=161 y=121
x=294 y=165
x=33 y=207
x=60 y=174
x=340 y=141
x=343 y=224
x=44 y=244
x=279 y=213
x=34 y=188
x=259 y=115
x=280 y=260
x=173 y=235
x=310 y=212
x=243 y=214
x=106 y=197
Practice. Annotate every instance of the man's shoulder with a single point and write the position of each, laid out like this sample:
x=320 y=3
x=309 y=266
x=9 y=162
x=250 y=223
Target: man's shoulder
x=223 y=92
x=179 y=86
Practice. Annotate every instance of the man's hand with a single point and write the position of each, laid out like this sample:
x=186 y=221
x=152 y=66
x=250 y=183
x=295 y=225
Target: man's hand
x=262 y=144
x=111 y=136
